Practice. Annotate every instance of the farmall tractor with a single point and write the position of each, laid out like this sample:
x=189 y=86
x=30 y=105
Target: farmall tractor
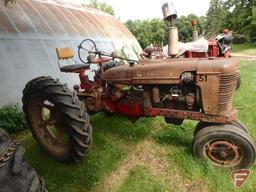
x=199 y=89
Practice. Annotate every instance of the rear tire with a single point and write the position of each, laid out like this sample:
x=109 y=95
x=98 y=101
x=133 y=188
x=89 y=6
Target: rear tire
x=17 y=175
x=57 y=119
x=225 y=146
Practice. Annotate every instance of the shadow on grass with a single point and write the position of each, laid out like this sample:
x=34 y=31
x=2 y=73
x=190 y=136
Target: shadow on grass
x=122 y=127
x=176 y=135
x=103 y=157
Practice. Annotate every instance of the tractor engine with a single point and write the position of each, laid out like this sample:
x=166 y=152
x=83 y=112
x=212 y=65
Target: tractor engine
x=135 y=101
x=185 y=96
x=202 y=88
x=181 y=96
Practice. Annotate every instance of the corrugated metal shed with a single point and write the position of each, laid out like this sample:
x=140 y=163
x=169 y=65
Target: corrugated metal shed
x=30 y=30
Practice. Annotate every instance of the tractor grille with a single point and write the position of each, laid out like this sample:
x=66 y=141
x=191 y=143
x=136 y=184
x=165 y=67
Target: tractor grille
x=226 y=91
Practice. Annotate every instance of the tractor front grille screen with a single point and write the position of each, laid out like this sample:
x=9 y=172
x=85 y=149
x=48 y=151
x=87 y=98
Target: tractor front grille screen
x=226 y=91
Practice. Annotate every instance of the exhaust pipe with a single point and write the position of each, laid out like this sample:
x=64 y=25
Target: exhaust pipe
x=195 y=32
x=170 y=14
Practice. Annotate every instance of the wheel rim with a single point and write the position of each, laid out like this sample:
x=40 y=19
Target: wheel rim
x=223 y=153
x=49 y=125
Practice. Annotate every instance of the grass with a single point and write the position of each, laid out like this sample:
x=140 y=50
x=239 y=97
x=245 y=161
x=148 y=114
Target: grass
x=141 y=180
x=80 y=177
x=249 y=49
x=115 y=139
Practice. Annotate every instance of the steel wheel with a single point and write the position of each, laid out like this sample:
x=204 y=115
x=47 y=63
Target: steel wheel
x=49 y=125
x=223 y=152
x=225 y=146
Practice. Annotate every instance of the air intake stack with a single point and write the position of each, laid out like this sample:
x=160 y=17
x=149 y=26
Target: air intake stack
x=170 y=15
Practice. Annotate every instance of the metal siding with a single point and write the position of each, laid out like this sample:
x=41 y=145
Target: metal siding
x=32 y=29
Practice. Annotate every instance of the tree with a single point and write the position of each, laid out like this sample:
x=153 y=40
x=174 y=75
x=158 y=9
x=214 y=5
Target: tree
x=216 y=18
x=186 y=29
x=154 y=31
x=101 y=6
x=151 y=31
x=242 y=19
x=9 y=1
x=236 y=15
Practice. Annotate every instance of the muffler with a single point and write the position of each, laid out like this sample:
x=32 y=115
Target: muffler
x=170 y=14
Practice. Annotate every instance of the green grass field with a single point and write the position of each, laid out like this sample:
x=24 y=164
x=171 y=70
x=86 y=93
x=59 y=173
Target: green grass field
x=148 y=156
x=248 y=49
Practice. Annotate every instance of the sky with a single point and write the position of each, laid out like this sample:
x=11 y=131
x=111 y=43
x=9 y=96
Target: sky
x=145 y=9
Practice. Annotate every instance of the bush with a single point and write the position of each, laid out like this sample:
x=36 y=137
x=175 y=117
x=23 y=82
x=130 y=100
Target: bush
x=12 y=118
x=240 y=38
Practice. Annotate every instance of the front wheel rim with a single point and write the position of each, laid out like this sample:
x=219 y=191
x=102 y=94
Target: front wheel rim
x=223 y=153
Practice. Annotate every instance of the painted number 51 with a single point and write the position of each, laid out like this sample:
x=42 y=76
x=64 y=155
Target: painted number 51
x=202 y=78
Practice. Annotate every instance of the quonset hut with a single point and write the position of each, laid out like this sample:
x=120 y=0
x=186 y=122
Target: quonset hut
x=30 y=30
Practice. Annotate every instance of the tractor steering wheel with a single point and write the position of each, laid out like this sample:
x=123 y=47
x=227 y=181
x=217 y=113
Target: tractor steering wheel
x=87 y=47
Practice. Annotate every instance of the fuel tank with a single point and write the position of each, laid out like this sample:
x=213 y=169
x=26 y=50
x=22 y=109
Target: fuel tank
x=168 y=71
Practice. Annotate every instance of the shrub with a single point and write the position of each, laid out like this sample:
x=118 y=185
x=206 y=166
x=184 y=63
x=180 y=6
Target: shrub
x=12 y=118
x=240 y=38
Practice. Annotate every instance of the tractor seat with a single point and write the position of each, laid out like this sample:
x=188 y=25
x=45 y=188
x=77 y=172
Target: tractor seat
x=66 y=54
x=76 y=68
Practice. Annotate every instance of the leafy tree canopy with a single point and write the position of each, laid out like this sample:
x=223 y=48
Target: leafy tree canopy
x=153 y=31
x=216 y=16
x=103 y=6
x=186 y=29
x=9 y=1
x=237 y=15
x=148 y=31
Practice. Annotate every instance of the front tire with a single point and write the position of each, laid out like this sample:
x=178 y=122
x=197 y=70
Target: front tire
x=225 y=146
x=201 y=125
x=57 y=119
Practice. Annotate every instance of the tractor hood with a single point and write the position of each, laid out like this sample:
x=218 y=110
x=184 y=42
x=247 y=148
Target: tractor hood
x=168 y=71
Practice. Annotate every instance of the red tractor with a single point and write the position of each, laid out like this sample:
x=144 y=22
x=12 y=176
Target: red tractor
x=176 y=89
x=217 y=47
x=220 y=46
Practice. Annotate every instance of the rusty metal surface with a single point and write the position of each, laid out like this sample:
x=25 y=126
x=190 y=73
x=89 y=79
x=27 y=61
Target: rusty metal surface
x=217 y=79
x=32 y=29
x=168 y=71
x=183 y=114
